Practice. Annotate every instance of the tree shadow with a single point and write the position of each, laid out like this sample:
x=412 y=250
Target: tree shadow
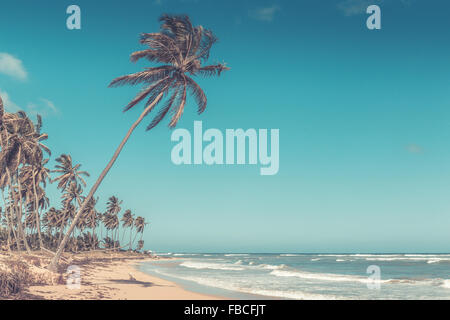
x=145 y=284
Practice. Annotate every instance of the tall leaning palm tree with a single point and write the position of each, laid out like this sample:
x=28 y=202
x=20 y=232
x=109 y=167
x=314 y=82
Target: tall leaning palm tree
x=180 y=49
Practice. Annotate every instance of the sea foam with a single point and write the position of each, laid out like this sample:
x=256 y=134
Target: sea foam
x=209 y=265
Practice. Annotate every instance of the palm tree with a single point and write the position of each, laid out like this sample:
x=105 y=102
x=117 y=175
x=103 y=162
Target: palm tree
x=140 y=224
x=21 y=145
x=92 y=218
x=112 y=210
x=32 y=176
x=140 y=245
x=69 y=172
x=128 y=221
x=71 y=193
x=182 y=49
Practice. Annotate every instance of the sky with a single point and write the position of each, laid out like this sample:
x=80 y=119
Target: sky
x=363 y=117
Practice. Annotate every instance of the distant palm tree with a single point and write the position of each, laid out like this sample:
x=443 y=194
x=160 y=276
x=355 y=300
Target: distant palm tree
x=69 y=172
x=181 y=48
x=140 y=245
x=112 y=209
x=140 y=224
x=128 y=221
x=92 y=218
x=32 y=176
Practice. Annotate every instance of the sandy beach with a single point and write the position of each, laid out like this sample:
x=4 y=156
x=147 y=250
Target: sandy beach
x=103 y=277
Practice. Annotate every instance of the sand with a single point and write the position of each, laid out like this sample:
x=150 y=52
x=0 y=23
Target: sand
x=117 y=281
x=108 y=277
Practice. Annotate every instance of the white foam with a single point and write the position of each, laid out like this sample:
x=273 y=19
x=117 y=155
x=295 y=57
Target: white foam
x=433 y=259
x=446 y=284
x=290 y=255
x=296 y=295
x=209 y=265
x=319 y=276
x=221 y=284
x=236 y=254
x=271 y=266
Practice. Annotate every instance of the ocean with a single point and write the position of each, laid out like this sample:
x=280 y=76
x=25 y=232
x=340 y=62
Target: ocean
x=308 y=276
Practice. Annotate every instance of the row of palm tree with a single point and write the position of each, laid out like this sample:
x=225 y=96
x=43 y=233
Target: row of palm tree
x=26 y=221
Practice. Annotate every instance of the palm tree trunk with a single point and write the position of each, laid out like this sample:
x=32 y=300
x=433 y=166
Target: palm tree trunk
x=123 y=233
x=118 y=233
x=16 y=236
x=54 y=263
x=101 y=232
x=131 y=232
x=134 y=239
x=36 y=208
x=18 y=215
x=20 y=211
x=93 y=235
x=8 y=221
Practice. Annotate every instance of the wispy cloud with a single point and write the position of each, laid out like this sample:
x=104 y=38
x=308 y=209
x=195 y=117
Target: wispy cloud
x=265 y=14
x=355 y=7
x=414 y=148
x=43 y=107
x=12 y=66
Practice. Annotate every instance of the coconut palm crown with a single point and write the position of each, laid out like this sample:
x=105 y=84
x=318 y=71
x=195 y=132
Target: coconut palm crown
x=182 y=49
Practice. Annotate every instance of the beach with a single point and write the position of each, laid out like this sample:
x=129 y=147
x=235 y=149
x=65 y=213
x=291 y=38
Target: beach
x=103 y=276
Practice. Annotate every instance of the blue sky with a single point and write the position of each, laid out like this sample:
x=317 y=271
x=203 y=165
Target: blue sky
x=363 y=117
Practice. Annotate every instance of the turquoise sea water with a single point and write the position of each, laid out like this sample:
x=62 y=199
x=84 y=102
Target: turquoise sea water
x=309 y=276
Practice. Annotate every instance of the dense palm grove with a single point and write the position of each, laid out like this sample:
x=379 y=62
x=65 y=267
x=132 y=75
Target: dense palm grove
x=27 y=222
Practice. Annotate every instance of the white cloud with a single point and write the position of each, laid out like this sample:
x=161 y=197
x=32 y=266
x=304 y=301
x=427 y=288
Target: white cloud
x=265 y=14
x=12 y=66
x=43 y=107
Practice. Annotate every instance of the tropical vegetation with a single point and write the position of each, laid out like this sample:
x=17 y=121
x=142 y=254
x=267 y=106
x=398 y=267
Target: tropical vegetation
x=27 y=222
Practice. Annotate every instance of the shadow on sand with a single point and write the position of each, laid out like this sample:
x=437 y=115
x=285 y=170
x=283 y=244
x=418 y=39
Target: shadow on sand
x=145 y=284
